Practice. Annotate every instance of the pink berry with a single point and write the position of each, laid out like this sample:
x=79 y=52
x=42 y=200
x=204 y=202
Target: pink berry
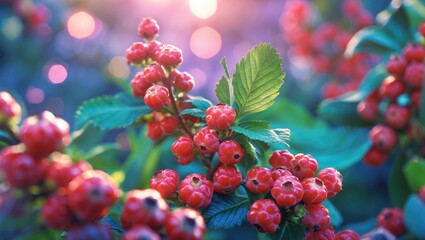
x=230 y=152
x=397 y=116
x=383 y=137
x=259 y=180
x=168 y=56
x=332 y=180
x=206 y=140
x=314 y=191
x=156 y=97
x=303 y=166
x=220 y=117
x=281 y=159
x=148 y=28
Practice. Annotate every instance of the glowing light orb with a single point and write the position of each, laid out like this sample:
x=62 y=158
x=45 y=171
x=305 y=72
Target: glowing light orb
x=81 y=25
x=203 y=8
x=119 y=68
x=205 y=42
x=34 y=95
x=57 y=74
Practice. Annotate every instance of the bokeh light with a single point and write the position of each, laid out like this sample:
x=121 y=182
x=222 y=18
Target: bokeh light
x=34 y=95
x=57 y=74
x=200 y=77
x=203 y=8
x=11 y=28
x=119 y=68
x=81 y=25
x=205 y=42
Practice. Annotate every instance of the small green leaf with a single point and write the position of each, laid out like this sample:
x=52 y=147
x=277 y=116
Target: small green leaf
x=260 y=130
x=86 y=138
x=396 y=22
x=414 y=171
x=224 y=64
x=110 y=112
x=222 y=91
x=398 y=189
x=112 y=224
x=336 y=217
x=104 y=157
x=293 y=231
x=200 y=102
x=257 y=80
x=226 y=212
x=194 y=112
x=415 y=12
x=414 y=216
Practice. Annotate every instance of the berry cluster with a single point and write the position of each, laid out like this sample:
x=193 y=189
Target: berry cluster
x=394 y=105
x=322 y=46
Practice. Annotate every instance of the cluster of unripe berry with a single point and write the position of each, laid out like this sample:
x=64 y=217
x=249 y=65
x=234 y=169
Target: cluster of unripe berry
x=394 y=105
x=323 y=46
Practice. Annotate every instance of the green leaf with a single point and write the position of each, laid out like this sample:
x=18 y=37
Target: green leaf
x=260 y=130
x=252 y=153
x=224 y=64
x=104 y=157
x=414 y=216
x=86 y=138
x=415 y=12
x=398 y=188
x=194 y=112
x=222 y=91
x=200 y=102
x=293 y=232
x=336 y=217
x=112 y=224
x=414 y=171
x=110 y=112
x=396 y=22
x=225 y=212
x=257 y=80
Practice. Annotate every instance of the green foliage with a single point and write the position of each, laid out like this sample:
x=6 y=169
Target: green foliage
x=200 y=106
x=372 y=40
x=288 y=230
x=415 y=174
x=224 y=88
x=252 y=153
x=260 y=130
x=414 y=216
x=108 y=112
x=104 y=157
x=226 y=212
x=398 y=188
x=86 y=138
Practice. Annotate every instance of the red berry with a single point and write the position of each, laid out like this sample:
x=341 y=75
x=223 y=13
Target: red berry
x=140 y=85
x=154 y=131
x=148 y=28
x=392 y=87
x=165 y=182
x=414 y=53
x=287 y=191
x=352 y=8
x=364 y=19
x=230 y=152
x=182 y=81
x=182 y=148
x=156 y=97
x=314 y=190
x=44 y=135
x=323 y=234
x=278 y=172
x=414 y=75
x=61 y=173
x=56 y=212
x=421 y=29
x=144 y=207
x=332 y=180
x=137 y=53
x=421 y=194
x=220 y=117
x=21 y=170
x=368 y=109
x=10 y=111
x=185 y=223
x=153 y=46
x=347 y=235
x=281 y=159
x=303 y=166
x=169 y=124
x=154 y=73
x=91 y=194
x=375 y=157
x=196 y=191
x=227 y=179
x=396 y=66
x=259 y=180
x=397 y=116
x=415 y=98
x=378 y=233
x=392 y=220
x=206 y=140
x=264 y=215
x=90 y=231
x=140 y=232
x=317 y=217
x=168 y=56
x=383 y=137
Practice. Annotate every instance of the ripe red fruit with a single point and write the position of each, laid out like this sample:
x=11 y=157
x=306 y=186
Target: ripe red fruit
x=140 y=232
x=182 y=81
x=368 y=109
x=10 y=111
x=383 y=137
x=264 y=215
x=152 y=47
x=332 y=180
x=220 y=117
x=392 y=220
x=156 y=97
x=169 y=124
x=421 y=29
x=281 y=159
x=165 y=182
x=61 y=173
x=144 y=207
x=154 y=73
x=415 y=98
x=396 y=66
x=317 y=217
x=303 y=166
x=168 y=56
x=206 y=140
x=230 y=152
x=196 y=191
x=227 y=179
x=323 y=234
x=375 y=157
x=414 y=53
x=278 y=172
x=137 y=53
x=314 y=191
x=56 y=212
x=90 y=231
x=91 y=194
x=259 y=180
x=287 y=191
x=140 y=85
x=347 y=235
x=148 y=28
x=21 y=170
x=44 y=135
x=421 y=194
x=154 y=131
x=397 y=116
x=185 y=223
x=392 y=87
x=414 y=75
x=182 y=148
x=352 y=8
